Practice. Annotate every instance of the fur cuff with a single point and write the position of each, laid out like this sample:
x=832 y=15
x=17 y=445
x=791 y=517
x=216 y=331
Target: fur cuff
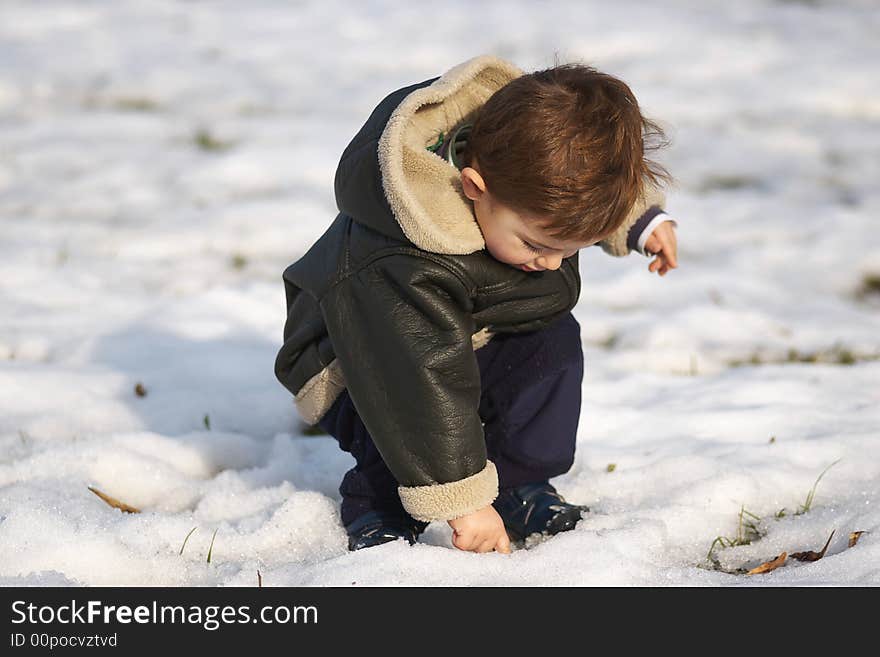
x=616 y=243
x=318 y=394
x=452 y=500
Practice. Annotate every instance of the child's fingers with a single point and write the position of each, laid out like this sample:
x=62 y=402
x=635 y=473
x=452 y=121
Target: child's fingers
x=503 y=544
x=661 y=265
x=668 y=247
x=463 y=541
x=663 y=244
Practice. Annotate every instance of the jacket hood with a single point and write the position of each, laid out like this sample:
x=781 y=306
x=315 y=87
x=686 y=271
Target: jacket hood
x=388 y=180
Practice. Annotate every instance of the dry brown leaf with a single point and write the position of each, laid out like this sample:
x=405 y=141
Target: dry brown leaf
x=770 y=565
x=140 y=390
x=854 y=538
x=112 y=501
x=809 y=555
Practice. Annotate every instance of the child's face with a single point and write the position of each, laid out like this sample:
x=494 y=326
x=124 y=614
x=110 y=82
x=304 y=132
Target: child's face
x=510 y=237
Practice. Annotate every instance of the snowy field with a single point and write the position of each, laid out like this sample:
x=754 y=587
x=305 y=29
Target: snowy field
x=162 y=162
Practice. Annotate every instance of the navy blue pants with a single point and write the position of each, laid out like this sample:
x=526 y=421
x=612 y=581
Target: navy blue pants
x=530 y=406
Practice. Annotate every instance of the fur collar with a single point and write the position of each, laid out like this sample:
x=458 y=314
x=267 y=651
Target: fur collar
x=423 y=190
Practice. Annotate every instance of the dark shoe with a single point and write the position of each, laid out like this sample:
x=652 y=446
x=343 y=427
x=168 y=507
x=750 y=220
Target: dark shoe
x=377 y=527
x=536 y=508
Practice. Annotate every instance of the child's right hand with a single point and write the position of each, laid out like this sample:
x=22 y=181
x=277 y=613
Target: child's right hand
x=480 y=531
x=663 y=244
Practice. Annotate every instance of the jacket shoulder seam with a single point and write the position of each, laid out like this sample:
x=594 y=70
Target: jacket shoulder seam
x=405 y=250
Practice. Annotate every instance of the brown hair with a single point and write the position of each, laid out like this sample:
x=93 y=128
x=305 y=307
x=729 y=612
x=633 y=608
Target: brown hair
x=567 y=145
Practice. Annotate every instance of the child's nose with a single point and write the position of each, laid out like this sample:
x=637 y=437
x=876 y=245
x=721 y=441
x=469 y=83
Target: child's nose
x=551 y=262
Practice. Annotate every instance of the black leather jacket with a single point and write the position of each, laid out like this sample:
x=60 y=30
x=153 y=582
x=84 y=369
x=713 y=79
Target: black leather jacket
x=398 y=325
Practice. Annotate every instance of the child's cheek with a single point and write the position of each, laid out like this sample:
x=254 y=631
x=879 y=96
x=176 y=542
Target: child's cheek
x=504 y=252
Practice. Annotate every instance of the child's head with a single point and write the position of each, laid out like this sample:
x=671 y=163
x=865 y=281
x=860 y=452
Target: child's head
x=556 y=160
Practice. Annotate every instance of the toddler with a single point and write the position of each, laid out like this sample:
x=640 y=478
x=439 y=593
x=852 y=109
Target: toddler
x=429 y=329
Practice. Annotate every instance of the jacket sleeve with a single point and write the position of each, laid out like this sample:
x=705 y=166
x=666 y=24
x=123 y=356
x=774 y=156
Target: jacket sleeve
x=616 y=243
x=401 y=329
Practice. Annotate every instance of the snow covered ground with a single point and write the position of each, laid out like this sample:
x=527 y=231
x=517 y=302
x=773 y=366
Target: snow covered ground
x=162 y=162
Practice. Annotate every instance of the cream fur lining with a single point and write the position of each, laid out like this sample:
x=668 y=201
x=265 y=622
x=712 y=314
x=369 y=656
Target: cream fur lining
x=318 y=394
x=434 y=216
x=481 y=338
x=452 y=500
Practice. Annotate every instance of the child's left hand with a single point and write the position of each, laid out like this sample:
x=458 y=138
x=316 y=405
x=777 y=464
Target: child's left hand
x=662 y=244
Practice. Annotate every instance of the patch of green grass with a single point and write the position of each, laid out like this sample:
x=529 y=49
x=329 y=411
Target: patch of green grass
x=135 y=104
x=207 y=422
x=754 y=359
x=794 y=356
x=610 y=341
x=611 y=467
x=870 y=284
x=835 y=355
x=238 y=261
x=726 y=182
x=748 y=530
x=808 y=503
x=208 y=142
x=845 y=357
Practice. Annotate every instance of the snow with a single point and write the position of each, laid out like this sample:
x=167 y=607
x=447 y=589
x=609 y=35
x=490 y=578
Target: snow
x=161 y=163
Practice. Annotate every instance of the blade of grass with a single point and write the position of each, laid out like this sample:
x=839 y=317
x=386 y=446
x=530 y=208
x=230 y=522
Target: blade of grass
x=112 y=501
x=211 y=547
x=186 y=539
x=808 y=503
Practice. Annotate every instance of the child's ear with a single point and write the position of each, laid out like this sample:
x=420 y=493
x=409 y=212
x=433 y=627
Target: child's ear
x=472 y=183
